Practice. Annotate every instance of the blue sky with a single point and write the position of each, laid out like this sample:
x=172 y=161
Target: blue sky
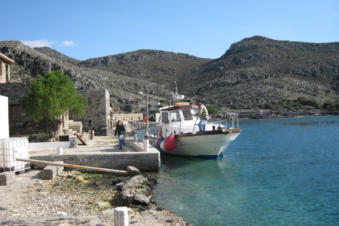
x=85 y=29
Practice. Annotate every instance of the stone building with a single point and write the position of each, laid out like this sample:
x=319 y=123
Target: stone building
x=97 y=117
x=19 y=124
x=5 y=68
x=17 y=119
x=98 y=112
x=129 y=117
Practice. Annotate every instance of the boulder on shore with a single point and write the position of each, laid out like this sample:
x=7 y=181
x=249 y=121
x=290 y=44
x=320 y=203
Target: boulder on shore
x=137 y=190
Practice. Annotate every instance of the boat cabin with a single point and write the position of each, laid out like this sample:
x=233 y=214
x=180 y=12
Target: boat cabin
x=177 y=119
x=181 y=119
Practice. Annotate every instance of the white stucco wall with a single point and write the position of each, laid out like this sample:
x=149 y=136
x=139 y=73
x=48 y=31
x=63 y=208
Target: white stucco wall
x=4 y=126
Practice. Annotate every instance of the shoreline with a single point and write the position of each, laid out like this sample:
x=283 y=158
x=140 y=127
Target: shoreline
x=270 y=114
x=81 y=199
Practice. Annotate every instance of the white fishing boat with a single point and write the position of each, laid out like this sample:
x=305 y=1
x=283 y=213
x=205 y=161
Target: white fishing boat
x=178 y=132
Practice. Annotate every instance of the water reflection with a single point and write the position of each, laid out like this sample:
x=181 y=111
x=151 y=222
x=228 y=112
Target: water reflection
x=172 y=164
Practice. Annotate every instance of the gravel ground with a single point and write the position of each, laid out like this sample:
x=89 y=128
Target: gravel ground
x=72 y=198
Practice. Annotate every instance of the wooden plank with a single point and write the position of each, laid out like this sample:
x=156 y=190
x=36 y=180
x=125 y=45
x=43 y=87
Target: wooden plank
x=75 y=166
x=236 y=130
x=82 y=141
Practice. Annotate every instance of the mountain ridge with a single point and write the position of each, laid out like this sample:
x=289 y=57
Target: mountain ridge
x=252 y=72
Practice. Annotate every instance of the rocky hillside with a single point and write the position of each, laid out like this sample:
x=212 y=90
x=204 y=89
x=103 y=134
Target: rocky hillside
x=259 y=70
x=159 y=66
x=254 y=73
x=30 y=62
x=56 y=55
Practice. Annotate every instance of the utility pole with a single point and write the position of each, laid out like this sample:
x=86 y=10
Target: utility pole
x=146 y=142
x=147 y=117
x=61 y=62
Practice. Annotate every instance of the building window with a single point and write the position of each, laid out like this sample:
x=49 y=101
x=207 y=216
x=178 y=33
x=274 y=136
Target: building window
x=175 y=116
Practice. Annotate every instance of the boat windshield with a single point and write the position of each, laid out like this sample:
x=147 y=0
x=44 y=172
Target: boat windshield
x=187 y=114
x=175 y=116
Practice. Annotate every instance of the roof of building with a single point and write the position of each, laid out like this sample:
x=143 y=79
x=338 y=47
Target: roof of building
x=173 y=108
x=6 y=59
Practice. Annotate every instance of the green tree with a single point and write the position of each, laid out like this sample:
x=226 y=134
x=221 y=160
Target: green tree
x=212 y=110
x=51 y=96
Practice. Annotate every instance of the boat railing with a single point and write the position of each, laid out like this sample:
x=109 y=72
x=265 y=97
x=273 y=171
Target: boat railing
x=230 y=120
x=234 y=117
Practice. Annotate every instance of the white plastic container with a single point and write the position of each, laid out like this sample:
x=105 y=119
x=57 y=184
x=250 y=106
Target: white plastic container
x=10 y=149
x=146 y=145
x=60 y=150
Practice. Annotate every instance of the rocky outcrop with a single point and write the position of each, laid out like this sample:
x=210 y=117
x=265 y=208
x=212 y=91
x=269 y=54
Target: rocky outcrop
x=259 y=70
x=137 y=190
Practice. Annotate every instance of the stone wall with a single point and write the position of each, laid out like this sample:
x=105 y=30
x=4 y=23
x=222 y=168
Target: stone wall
x=97 y=115
x=14 y=90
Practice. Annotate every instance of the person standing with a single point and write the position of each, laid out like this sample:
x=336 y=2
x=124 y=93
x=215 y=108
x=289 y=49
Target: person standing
x=203 y=115
x=120 y=130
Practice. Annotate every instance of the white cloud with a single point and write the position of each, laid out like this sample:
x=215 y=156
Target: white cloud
x=68 y=43
x=39 y=43
x=46 y=43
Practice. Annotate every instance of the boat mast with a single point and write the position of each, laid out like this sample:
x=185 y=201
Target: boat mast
x=176 y=88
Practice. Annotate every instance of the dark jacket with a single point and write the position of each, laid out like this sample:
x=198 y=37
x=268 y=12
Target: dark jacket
x=120 y=129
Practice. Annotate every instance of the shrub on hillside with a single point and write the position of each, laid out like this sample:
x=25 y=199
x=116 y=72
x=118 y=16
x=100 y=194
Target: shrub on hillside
x=307 y=101
x=212 y=110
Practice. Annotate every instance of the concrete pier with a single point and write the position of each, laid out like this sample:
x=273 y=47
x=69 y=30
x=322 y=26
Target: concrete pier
x=107 y=157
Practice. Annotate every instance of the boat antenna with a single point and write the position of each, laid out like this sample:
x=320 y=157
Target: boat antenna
x=175 y=95
x=176 y=88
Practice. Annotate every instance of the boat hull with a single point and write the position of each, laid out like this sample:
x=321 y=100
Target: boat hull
x=203 y=146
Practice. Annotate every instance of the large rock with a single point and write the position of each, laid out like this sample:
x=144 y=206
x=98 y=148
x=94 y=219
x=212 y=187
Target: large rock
x=133 y=170
x=137 y=190
x=49 y=172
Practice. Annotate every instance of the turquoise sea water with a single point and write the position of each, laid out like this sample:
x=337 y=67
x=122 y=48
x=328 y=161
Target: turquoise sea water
x=278 y=172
